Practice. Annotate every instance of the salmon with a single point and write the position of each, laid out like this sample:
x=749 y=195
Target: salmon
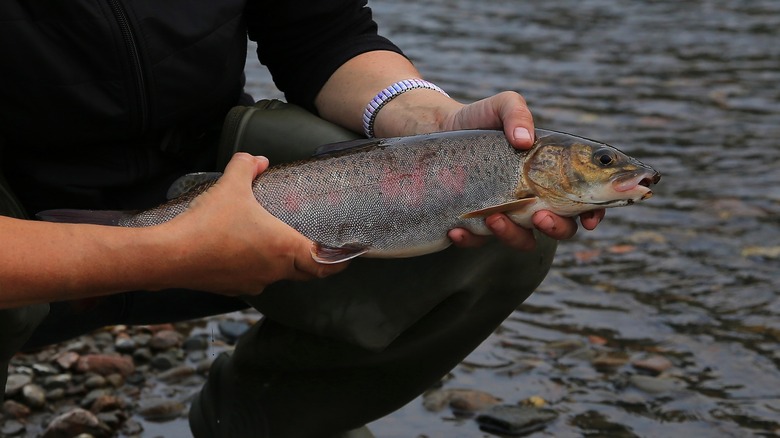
x=398 y=197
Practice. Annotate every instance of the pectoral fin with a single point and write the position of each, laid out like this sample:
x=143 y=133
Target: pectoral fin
x=513 y=206
x=329 y=255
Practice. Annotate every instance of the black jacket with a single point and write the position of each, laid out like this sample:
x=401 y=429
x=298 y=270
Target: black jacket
x=108 y=78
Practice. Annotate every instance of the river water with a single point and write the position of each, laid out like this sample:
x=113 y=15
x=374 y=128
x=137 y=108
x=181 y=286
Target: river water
x=688 y=278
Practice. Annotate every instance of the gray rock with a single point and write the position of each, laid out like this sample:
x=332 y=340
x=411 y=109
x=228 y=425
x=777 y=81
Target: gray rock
x=34 y=396
x=232 y=330
x=11 y=428
x=515 y=420
x=160 y=409
x=15 y=383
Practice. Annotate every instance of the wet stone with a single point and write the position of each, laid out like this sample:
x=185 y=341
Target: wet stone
x=105 y=364
x=55 y=394
x=124 y=344
x=57 y=381
x=515 y=420
x=163 y=361
x=116 y=380
x=15 y=383
x=653 y=364
x=195 y=343
x=160 y=409
x=94 y=395
x=42 y=369
x=656 y=385
x=131 y=428
x=66 y=359
x=136 y=378
x=142 y=355
x=176 y=374
x=95 y=381
x=165 y=339
x=34 y=396
x=12 y=428
x=232 y=330
x=15 y=409
x=74 y=423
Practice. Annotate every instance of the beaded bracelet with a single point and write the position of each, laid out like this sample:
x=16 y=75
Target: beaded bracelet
x=388 y=94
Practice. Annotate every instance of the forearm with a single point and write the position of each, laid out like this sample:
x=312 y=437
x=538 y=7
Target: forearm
x=41 y=261
x=344 y=96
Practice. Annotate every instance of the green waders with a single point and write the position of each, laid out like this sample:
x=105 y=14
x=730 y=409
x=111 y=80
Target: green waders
x=16 y=325
x=336 y=353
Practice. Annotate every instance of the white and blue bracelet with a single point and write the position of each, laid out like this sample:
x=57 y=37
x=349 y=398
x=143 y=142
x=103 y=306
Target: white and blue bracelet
x=388 y=94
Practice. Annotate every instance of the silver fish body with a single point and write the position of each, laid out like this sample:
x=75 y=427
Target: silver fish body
x=399 y=197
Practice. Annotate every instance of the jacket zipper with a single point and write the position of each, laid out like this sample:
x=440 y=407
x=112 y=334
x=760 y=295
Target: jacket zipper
x=142 y=101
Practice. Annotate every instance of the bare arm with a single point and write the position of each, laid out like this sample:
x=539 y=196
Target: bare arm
x=225 y=243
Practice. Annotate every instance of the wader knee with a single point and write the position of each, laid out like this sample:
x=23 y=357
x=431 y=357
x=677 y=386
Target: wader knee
x=334 y=354
x=16 y=325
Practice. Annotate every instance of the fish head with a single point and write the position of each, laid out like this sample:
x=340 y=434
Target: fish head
x=573 y=174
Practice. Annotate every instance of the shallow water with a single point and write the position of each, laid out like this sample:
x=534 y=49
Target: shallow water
x=691 y=275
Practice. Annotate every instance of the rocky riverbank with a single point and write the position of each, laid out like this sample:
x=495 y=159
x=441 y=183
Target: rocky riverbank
x=117 y=381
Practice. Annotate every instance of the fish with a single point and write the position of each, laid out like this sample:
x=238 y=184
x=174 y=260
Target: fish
x=398 y=197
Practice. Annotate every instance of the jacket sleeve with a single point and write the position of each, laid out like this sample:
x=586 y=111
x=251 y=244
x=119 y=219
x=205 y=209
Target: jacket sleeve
x=303 y=42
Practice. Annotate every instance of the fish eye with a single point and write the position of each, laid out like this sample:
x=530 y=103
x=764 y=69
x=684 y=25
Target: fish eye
x=604 y=157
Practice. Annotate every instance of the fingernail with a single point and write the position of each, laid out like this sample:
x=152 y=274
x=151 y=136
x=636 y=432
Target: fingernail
x=521 y=134
x=497 y=225
x=547 y=224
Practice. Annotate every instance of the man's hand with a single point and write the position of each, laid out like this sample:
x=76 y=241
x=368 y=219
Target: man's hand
x=232 y=245
x=508 y=110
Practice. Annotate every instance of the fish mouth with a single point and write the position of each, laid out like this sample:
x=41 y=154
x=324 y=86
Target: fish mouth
x=636 y=185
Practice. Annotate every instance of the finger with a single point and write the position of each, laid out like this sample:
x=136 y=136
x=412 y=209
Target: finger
x=555 y=226
x=244 y=166
x=464 y=239
x=516 y=118
x=591 y=219
x=510 y=233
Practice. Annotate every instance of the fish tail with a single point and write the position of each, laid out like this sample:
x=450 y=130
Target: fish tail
x=73 y=216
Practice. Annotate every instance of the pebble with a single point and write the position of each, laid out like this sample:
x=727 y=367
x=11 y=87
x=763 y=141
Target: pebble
x=15 y=409
x=116 y=380
x=57 y=381
x=515 y=420
x=66 y=359
x=75 y=422
x=12 y=428
x=463 y=401
x=142 y=355
x=105 y=364
x=95 y=381
x=107 y=402
x=34 y=396
x=165 y=339
x=124 y=344
x=15 y=383
x=656 y=385
x=160 y=409
x=232 y=330
x=176 y=374
x=163 y=361
x=195 y=343
x=653 y=364
x=609 y=361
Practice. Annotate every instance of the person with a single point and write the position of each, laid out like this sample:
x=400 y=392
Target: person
x=104 y=104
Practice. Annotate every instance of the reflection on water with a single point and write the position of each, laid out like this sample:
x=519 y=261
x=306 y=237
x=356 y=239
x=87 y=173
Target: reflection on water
x=689 y=277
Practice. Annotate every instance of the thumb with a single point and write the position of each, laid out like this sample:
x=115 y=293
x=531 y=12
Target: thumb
x=243 y=167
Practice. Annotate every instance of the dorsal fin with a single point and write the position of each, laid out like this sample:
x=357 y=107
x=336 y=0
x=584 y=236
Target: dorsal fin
x=514 y=206
x=185 y=183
